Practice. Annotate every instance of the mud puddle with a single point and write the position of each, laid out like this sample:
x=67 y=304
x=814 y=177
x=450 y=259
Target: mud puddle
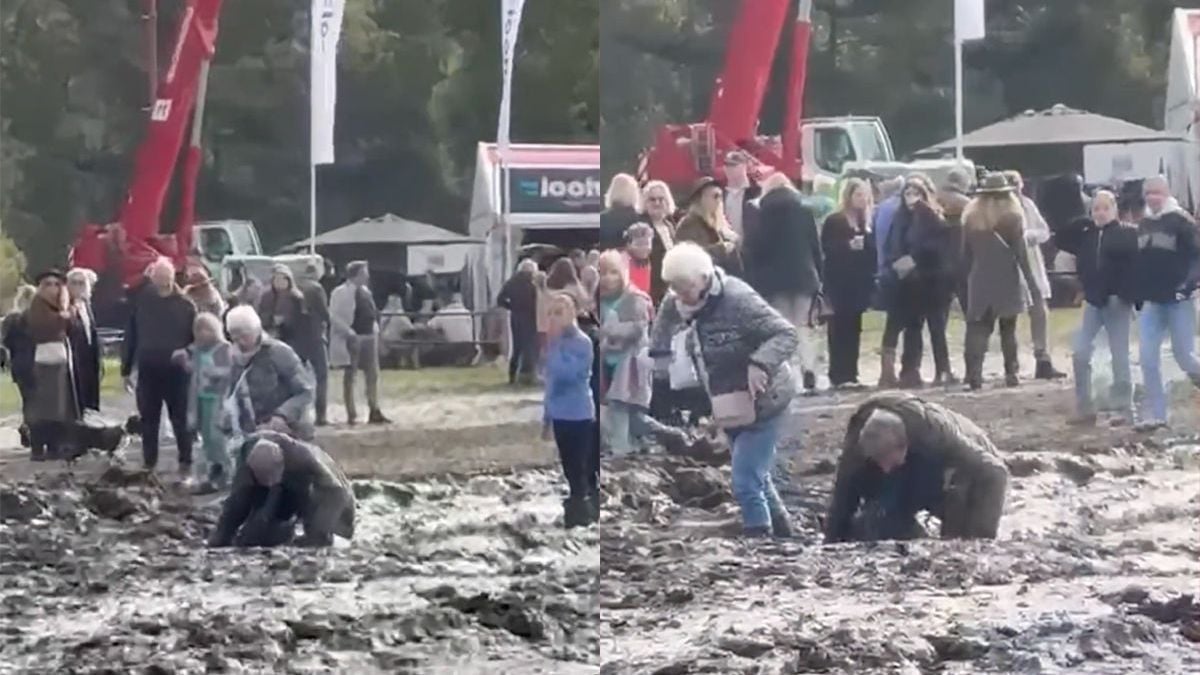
x=454 y=575
x=1094 y=570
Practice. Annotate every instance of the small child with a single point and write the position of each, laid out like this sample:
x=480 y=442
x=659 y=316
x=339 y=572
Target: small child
x=213 y=402
x=639 y=241
x=625 y=359
x=569 y=410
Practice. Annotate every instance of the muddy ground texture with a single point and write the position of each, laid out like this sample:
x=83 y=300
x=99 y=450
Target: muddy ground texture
x=1094 y=571
x=105 y=570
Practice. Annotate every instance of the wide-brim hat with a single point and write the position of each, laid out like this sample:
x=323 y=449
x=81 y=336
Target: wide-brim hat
x=994 y=183
x=52 y=273
x=700 y=186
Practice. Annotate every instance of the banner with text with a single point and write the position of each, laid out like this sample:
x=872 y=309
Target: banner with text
x=552 y=190
x=326 y=33
x=510 y=26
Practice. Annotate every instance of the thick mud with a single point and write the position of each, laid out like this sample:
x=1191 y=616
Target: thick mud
x=108 y=573
x=1094 y=571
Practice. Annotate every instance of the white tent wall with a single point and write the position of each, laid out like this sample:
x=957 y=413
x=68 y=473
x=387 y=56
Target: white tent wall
x=1182 y=103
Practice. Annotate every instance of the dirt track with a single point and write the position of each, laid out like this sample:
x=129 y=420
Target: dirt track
x=105 y=571
x=1100 y=529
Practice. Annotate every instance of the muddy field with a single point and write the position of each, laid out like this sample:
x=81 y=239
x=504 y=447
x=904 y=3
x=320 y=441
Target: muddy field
x=1098 y=555
x=104 y=571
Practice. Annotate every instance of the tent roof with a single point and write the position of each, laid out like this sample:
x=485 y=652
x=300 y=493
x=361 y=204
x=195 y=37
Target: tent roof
x=542 y=155
x=387 y=229
x=1059 y=125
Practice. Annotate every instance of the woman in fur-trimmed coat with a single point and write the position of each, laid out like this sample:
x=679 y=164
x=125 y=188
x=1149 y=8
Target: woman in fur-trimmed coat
x=1000 y=281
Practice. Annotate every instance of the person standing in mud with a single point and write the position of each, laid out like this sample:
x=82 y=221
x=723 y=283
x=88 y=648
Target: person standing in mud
x=625 y=362
x=159 y=332
x=1000 y=281
x=316 y=302
x=739 y=348
x=903 y=455
x=354 y=339
x=1166 y=276
x=1104 y=251
x=283 y=481
x=53 y=405
x=280 y=389
x=17 y=352
x=219 y=406
x=569 y=413
x=849 y=247
x=86 y=366
x=1037 y=232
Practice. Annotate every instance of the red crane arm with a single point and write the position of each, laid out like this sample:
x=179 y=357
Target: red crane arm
x=738 y=94
x=794 y=111
x=159 y=153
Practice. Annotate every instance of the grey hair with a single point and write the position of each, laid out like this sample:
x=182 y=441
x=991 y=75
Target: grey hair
x=882 y=431
x=777 y=180
x=354 y=268
x=623 y=191
x=1157 y=181
x=527 y=265
x=162 y=262
x=686 y=262
x=243 y=320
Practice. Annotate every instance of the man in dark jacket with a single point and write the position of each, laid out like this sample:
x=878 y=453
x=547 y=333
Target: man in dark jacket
x=317 y=304
x=785 y=263
x=741 y=195
x=519 y=297
x=903 y=455
x=159 y=332
x=1166 y=276
x=281 y=481
x=1104 y=251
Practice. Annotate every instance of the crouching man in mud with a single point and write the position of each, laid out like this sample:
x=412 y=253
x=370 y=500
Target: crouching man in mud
x=903 y=455
x=283 y=480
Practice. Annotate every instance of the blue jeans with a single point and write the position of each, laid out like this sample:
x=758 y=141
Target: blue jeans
x=1115 y=320
x=753 y=459
x=1177 y=319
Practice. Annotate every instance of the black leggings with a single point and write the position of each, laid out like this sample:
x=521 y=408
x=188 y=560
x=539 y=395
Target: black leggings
x=524 y=353
x=580 y=455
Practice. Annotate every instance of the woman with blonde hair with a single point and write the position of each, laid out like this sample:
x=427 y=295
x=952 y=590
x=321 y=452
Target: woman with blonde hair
x=84 y=339
x=1000 y=281
x=918 y=282
x=622 y=205
x=705 y=225
x=658 y=211
x=849 y=247
x=626 y=368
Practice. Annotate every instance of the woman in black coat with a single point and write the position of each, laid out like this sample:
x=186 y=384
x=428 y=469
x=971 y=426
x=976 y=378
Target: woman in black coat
x=84 y=340
x=620 y=211
x=849 y=247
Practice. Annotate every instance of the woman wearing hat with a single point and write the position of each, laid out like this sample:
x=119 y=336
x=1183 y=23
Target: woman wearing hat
x=1000 y=281
x=53 y=406
x=705 y=225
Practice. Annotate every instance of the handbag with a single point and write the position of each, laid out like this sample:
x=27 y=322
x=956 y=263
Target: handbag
x=682 y=370
x=820 y=311
x=734 y=410
x=50 y=353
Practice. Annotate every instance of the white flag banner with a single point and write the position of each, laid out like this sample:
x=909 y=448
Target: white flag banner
x=969 y=20
x=326 y=33
x=510 y=26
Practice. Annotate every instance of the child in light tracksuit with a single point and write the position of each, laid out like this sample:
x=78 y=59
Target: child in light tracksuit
x=569 y=410
x=627 y=369
x=212 y=403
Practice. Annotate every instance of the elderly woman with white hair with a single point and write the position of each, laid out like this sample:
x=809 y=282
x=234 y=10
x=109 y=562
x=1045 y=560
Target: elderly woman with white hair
x=622 y=205
x=84 y=339
x=281 y=390
x=903 y=455
x=519 y=296
x=721 y=333
x=155 y=344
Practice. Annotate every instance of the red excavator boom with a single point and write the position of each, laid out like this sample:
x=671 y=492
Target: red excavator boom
x=683 y=153
x=123 y=249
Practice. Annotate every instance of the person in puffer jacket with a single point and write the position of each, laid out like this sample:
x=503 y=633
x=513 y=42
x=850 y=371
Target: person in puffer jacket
x=903 y=455
x=1165 y=276
x=1104 y=251
x=740 y=348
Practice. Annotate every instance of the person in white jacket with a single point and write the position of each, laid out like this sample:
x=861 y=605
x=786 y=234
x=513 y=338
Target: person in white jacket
x=1037 y=232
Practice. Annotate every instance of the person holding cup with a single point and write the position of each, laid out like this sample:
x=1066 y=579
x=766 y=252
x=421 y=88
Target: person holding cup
x=849 y=246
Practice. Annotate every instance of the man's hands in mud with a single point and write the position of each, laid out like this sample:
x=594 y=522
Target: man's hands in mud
x=757 y=379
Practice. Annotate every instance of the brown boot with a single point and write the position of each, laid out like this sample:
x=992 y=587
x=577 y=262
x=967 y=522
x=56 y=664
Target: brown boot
x=887 y=369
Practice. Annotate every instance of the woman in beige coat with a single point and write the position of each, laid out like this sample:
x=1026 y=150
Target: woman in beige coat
x=1000 y=281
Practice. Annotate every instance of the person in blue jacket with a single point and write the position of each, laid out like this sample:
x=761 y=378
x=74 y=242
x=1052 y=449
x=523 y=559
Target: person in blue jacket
x=569 y=410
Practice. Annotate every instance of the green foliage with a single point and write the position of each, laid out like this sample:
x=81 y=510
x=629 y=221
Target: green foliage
x=12 y=269
x=892 y=59
x=419 y=86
